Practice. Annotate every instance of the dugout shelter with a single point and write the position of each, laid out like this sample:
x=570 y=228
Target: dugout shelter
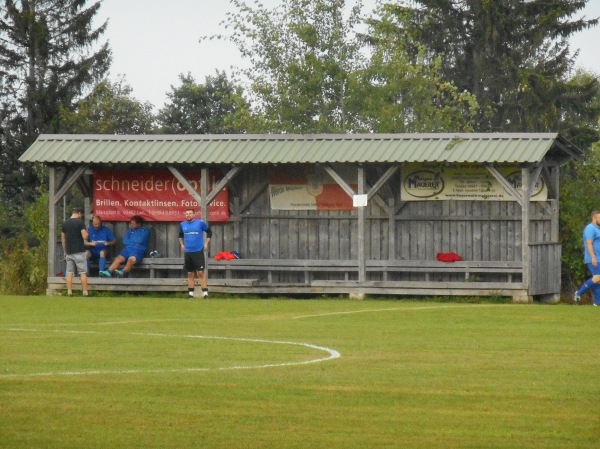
x=356 y=214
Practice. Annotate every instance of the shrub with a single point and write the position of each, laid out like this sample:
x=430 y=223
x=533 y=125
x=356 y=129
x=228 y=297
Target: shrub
x=580 y=195
x=24 y=261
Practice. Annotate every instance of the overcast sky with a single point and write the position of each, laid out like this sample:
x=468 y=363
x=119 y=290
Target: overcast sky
x=153 y=41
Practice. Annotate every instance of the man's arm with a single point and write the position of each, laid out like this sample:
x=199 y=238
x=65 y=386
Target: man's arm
x=590 y=248
x=208 y=236
x=110 y=238
x=181 y=238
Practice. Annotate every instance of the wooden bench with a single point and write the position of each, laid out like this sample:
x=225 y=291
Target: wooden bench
x=148 y=284
x=348 y=269
x=468 y=269
x=270 y=268
x=292 y=276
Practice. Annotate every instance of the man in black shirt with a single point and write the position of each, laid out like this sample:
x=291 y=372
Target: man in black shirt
x=73 y=237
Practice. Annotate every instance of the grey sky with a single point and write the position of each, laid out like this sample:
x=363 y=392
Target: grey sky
x=153 y=41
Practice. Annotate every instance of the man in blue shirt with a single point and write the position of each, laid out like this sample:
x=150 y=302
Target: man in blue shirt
x=591 y=257
x=191 y=239
x=136 y=242
x=100 y=238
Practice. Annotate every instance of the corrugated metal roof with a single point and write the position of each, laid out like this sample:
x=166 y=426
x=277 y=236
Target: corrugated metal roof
x=291 y=148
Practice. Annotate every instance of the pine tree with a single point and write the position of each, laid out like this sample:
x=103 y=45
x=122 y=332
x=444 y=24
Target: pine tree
x=47 y=60
x=513 y=55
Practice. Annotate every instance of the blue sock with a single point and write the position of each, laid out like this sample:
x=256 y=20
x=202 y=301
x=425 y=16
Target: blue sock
x=596 y=293
x=102 y=263
x=585 y=287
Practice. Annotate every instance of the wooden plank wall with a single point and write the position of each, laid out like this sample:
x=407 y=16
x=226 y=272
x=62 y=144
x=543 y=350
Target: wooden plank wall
x=477 y=230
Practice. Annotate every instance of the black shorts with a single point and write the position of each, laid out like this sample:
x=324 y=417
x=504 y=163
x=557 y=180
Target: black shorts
x=193 y=262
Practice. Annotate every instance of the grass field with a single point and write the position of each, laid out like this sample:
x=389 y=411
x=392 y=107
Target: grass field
x=253 y=373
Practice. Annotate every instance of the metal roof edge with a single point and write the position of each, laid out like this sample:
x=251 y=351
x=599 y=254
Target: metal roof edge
x=292 y=137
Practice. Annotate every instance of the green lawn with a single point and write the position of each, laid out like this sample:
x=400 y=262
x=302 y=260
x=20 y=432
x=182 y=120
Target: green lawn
x=254 y=373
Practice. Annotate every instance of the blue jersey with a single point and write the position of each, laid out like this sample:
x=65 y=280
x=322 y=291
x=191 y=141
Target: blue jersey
x=137 y=239
x=192 y=233
x=102 y=234
x=591 y=232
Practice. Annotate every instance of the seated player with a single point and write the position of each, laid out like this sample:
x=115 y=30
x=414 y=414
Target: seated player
x=136 y=242
x=99 y=239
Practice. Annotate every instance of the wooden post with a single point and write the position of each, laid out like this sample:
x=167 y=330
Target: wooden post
x=392 y=229
x=51 y=222
x=204 y=191
x=554 y=204
x=362 y=214
x=525 y=208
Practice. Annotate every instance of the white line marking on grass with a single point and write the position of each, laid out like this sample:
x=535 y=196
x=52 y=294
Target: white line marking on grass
x=350 y=312
x=106 y=323
x=332 y=354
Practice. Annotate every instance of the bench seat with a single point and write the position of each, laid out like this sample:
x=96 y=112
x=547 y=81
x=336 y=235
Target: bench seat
x=292 y=276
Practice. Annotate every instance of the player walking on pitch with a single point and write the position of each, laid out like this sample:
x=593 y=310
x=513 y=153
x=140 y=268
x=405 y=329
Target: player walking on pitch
x=191 y=238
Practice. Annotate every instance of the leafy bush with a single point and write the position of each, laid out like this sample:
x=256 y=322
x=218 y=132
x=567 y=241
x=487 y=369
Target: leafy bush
x=24 y=257
x=580 y=195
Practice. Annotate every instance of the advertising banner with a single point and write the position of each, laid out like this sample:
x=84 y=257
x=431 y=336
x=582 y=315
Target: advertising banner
x=154 y=195
x=422 y=182
x=309 y=188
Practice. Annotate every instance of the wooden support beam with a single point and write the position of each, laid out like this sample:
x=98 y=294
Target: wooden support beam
x=507 y=185
x=68 y=183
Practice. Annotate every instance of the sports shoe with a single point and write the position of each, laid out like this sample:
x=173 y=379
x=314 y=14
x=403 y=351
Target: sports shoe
x=205 y=295
x=86 y=294
x=576 y=298
x=104 y=274
x=119 y=273
x=190 y=294
x=595 y=304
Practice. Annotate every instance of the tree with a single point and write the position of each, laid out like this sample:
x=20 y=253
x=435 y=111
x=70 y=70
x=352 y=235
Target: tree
x=47 y=61
x=400 y=93
x=215 y=107
x=513 y=55
x=301 y=55
x=109 y=109
x=579 y=109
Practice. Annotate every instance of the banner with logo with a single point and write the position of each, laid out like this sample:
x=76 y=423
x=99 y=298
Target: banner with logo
x=154 y=195
x=310 y=188
x=436 y=181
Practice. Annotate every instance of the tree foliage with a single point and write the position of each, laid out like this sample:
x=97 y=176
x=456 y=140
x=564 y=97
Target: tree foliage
x=301 y=55
x=47 y=61
x=579 y=197
x=513 y=55
x=400 y=93
x=24 y=256
x=109 y=109
x=215 y=107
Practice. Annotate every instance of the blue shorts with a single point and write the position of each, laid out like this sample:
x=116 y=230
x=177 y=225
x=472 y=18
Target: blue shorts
x=95 y=252
x=128 y=252
x=595 y=270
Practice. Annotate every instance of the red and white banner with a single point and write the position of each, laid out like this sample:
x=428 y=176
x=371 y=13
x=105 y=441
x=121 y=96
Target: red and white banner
x=154 y=195
x=309 y=188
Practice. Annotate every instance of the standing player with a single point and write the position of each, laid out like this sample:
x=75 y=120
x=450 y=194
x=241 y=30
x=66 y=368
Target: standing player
x=191 y=238
x=73 y=237
x=591 y=257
